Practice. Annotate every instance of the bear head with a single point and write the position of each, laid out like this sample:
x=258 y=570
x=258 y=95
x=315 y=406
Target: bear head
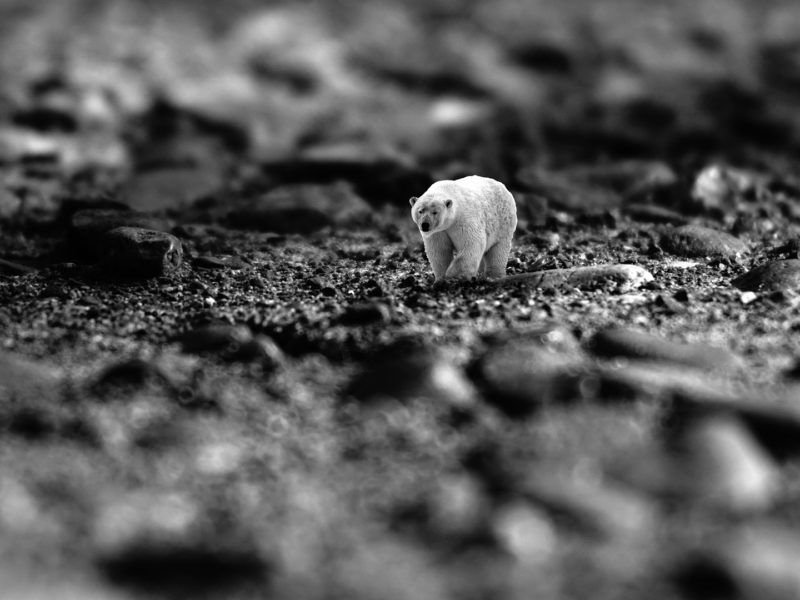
x=432 y=213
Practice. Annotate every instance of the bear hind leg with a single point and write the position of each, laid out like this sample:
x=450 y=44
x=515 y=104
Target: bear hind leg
x=497 y=258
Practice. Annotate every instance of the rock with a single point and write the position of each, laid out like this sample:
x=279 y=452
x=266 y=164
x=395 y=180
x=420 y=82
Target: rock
x=18 y=144
x=161 y=543
x=304 y=209
x=368 y=313
x=750 y=562
x=695 y=241
x=8 y=267
x=219 y=262
x=137 y=252
x=379 y=180
x=221 y=338
x=524 y=532
x=231 y=342
x=634 y=179
x=569 y=193
x=619 y=342
x=790 y=249
x=10 y=203
x=719 y=187
x=453 y=513
x=171 y=188
x=649 y=213
x=715 y=462
x=774 y=276
x=773 y=421
x=132 y=374
x=622 y=277
x=33 y=406
x=405 y=372
x=634 y=380
x=520 y=376
x=588 y=503
x=87 y=228
x=24 y=382
x=722 y=465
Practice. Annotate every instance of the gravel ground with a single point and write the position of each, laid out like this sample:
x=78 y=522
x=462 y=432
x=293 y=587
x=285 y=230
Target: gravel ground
x=226 y=372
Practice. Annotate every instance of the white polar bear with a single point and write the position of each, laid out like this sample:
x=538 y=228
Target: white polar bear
x=466 y=226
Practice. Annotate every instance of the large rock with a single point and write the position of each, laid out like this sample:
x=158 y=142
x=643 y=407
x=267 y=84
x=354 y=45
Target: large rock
x=622 y=277
x=88 y=227
x=619 y=342
x=304 y=209
x=695 y=241
x=137 y=252
x=521 y=375
x=778 y=275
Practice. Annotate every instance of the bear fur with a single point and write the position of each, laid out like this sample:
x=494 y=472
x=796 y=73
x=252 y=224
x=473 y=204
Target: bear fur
x=467 y=226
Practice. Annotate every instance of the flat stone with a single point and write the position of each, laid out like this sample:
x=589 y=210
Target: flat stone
x=220 y=338
x=158 y=190
x=405 y=374
x=632 y=178
x=377 y=178
x=695 y=241
x=87 y=228
x=231 y=343
x=721 y=464
x=778 y=275
x=568 y=192
x=367 y=313
x=219 y=262
x=8 y=267
x=154 y=542
x=522 y=375
x=773 y=420
x=619 y=342
x=137 y=252
x=652 y=213
x=624 y=381
x=304 y=209
x=623 y=277
x=714 y=461
x=589 y=504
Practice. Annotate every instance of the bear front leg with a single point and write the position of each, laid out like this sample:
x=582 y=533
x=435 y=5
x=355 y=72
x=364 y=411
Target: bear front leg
x=465 y=264
x=439 y=250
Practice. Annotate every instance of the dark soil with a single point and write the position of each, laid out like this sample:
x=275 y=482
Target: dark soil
x=264 y=395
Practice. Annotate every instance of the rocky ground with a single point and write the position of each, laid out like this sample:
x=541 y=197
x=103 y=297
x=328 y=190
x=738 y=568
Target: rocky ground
x=225 y=369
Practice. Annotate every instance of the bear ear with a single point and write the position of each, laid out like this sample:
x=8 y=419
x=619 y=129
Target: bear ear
x=413 y=200
x=448 y=203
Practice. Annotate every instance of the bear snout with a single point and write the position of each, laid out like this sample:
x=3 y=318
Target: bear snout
x=425 y=226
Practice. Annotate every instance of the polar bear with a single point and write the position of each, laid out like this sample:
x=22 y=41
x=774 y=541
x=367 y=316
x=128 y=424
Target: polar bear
x=466 y=226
